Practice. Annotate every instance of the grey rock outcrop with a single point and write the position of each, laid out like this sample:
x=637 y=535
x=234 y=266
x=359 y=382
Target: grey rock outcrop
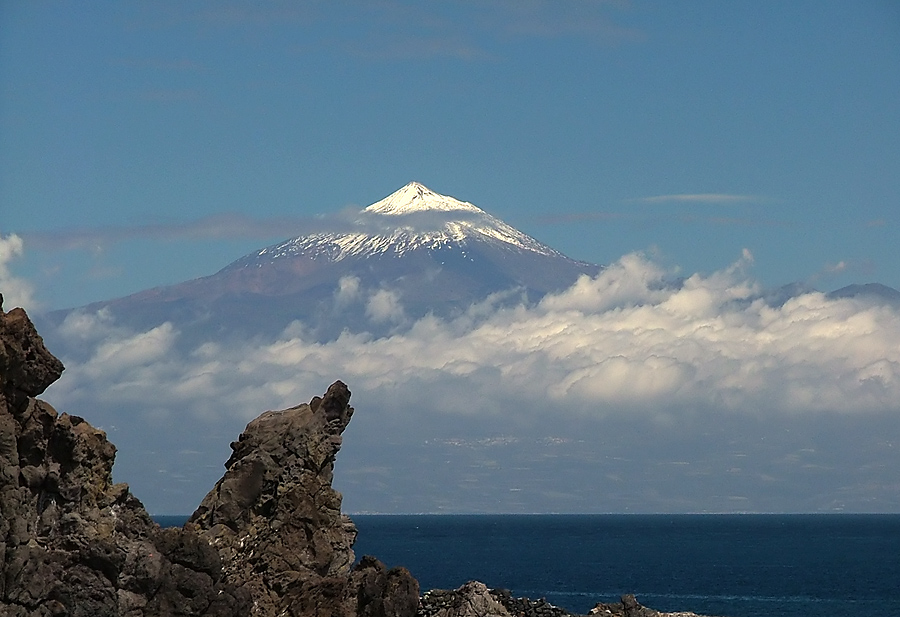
x=473 y=599
x=277 y=524
x=628 y=606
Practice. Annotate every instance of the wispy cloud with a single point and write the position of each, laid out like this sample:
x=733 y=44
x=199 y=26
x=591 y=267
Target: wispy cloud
x=741 y=221
x=700 y=198
x=595 y=20
x=418 y=47
x=645 y=218
x=832 y=270
x=229 y=15
x=839 y=267
x=730 y=221
x=164 y=95
x=183 y=65
x=219 y=226
x=562 y=218
x=388 y=31
x=402 y=30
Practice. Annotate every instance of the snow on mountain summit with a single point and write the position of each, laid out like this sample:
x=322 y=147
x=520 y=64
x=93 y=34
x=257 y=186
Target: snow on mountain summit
x=411 y=218
x=414 y=198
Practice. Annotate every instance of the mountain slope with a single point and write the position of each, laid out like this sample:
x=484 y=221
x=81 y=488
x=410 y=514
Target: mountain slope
x=409 y=254
x=410 y=219
x=874 y=292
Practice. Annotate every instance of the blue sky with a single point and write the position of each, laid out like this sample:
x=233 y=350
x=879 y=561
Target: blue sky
x=149 y=143
x=739 y=145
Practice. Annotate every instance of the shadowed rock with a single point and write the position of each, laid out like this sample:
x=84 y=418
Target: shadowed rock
x=72 y=542
x=26 y=367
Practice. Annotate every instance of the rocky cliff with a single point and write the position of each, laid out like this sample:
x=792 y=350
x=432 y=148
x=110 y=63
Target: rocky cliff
x=268 y=540
x=71 y=541
x=277 y=524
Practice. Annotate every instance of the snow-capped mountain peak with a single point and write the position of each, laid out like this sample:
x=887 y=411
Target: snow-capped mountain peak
x=414 y=198
x=411 y=218
x=413 y=253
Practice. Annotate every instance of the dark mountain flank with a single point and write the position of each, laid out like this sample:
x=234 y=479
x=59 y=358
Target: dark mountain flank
x=873 y=292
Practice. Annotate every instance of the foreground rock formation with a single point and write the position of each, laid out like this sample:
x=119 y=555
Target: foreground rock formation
x=268 y=540
x=72 y=542
x=277 y=524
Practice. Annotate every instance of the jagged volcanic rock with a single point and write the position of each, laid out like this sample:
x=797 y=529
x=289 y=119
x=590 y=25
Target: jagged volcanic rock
x=268 y=540
x=26 y=367
x=277 y=524
x=72 y=542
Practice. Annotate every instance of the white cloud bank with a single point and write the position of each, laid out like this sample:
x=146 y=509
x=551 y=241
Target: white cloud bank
x=16 y=291
x=620 y=343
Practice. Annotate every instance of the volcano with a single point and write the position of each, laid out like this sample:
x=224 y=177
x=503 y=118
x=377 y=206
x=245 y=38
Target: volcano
x=413 y=253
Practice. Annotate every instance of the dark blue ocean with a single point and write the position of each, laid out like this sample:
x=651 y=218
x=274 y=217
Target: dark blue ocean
x=732 y=565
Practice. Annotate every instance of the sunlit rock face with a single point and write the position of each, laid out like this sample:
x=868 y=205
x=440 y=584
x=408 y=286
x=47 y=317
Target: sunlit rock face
x=277 y=524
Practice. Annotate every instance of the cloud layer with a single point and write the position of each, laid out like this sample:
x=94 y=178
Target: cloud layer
x=701 y=198
x=733 y=402
x=624 y=342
